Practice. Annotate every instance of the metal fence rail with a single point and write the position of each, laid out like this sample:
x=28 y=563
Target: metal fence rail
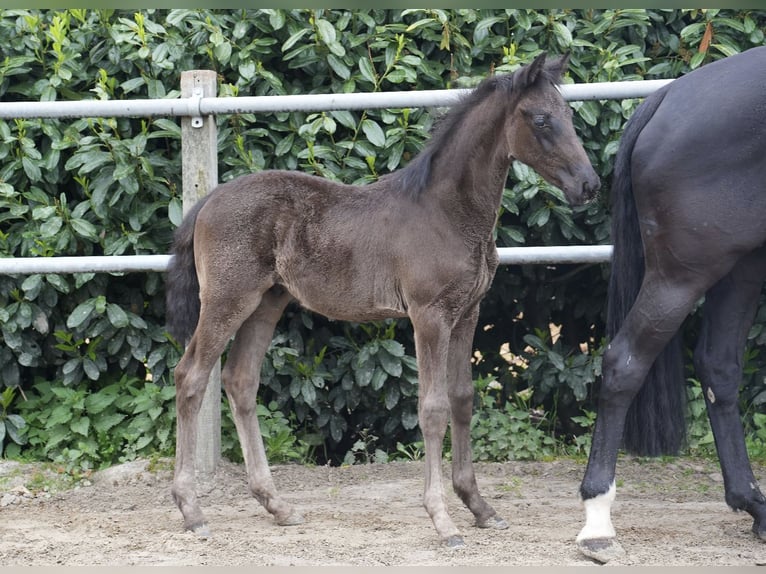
x=138 y=263
x=197 y=106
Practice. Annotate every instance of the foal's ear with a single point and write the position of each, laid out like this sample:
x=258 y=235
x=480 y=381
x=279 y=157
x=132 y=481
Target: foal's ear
x=558 y=66
x=528 y=75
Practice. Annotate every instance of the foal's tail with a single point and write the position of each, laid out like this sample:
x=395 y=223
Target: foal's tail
x=182 y=286
x=655 y=423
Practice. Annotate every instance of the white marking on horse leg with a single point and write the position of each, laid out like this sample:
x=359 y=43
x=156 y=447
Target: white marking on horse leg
x=598 y=519
x=710 y=395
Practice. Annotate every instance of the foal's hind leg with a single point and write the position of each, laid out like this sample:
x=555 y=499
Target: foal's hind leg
x=729 y=310
x=241 y=378
x=461 y=405
x=217 y=322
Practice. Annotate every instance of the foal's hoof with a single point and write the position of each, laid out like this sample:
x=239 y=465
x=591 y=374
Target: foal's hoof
x=492 y=522
x=293 y=519
x=201 y=530
x=601 y=549
x=455 y=541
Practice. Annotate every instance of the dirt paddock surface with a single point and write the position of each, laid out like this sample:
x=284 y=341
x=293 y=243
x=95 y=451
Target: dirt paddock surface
x=666 y=513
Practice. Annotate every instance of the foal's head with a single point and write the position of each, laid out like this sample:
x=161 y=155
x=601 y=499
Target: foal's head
x=540 y=131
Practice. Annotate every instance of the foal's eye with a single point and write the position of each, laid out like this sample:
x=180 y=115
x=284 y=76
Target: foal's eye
x=539 y=121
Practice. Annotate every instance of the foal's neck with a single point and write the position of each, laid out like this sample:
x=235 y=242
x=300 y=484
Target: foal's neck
x=470 y=172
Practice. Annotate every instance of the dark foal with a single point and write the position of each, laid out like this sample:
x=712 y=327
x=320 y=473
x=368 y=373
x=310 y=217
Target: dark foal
x=689 y=204
x=362 y=253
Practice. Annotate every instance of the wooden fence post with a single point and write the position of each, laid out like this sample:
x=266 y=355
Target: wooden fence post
x=199 y=151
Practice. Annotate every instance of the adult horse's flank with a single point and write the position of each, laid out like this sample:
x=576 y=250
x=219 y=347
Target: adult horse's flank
x=690 y=186
x=366 y=253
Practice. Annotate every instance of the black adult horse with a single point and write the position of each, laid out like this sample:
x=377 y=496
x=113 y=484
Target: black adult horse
x=689 y=220
x=417 y=243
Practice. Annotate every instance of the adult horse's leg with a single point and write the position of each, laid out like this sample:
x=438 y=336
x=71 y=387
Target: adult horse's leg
x=218 y=321
x=728 y=313
x=241 y=378
x=461 y=405
x=660 y=308
x=432 y=336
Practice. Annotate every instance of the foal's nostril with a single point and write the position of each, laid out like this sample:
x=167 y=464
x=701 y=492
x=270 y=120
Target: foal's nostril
x=591 y=186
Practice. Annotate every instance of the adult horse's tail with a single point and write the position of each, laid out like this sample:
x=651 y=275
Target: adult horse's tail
x=655 y=423
x=182 y=286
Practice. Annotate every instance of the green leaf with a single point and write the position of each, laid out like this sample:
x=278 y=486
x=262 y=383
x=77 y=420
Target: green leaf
x=409 y=420
x=175 y=211
x=374 y=133
x=588 y=111
x=96 y=403
x=363 y=372
x=80 y=426
x=563 y=35
x=223 y=52
x=56 y=436
x=43 y=212
x=81 y=313
x=557 y=360
x=378 y=378
x=338 y=66
x=132 y=84
x=394 y=348
x=91 y=369
x=247 y=70
x=293 y=39
x=367 y=70
x=391 y=396
x=59 y=415
x=392 y=365
x=117 y=316
x=326 y=31
x=31 y=168
x=308 y=390
x=51 y=227
x=84 y=228
x=32 y=284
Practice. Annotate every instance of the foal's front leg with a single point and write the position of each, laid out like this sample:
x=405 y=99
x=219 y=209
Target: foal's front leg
x=432 y=335
x=461 y=403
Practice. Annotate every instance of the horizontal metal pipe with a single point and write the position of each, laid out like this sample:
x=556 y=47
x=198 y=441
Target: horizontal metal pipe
x=129 y=263
x=298 y=102
x=83 y=264
x=425 y=98
x=100 y=108
x=555 y=254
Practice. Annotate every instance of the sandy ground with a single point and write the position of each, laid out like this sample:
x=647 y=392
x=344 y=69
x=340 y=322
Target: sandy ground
x=667 y=513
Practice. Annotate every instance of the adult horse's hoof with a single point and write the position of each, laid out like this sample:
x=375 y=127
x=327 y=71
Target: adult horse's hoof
x=455 y=541
x=758 y=531
x=601 y=549
x=293 y=519
x=492 y=522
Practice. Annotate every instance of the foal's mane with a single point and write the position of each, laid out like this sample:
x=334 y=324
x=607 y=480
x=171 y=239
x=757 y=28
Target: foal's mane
x=413 y=179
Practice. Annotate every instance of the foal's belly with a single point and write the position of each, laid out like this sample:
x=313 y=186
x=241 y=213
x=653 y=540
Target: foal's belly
x=345 y=293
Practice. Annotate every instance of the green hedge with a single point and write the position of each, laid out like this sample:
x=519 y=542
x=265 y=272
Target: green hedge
x=112 y=186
